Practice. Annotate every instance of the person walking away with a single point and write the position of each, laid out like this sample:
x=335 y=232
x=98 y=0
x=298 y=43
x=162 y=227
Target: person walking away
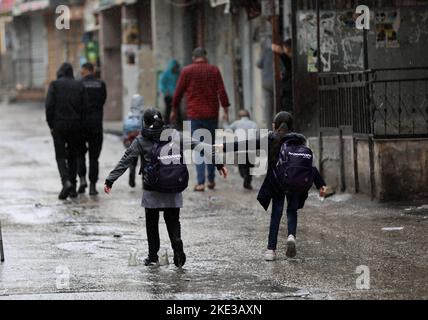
x=66 y=101
x=290 y=176
x=132 y=127
x=286 y=54
x=92 y=128
x=167 y=84
x=246 y=124
x=265 y=63
x=163 y=183
x=203 y=86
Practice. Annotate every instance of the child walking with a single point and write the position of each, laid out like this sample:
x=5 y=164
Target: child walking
x=244 y=123
x=131 y=130
x=290 y=176
x=163 y=184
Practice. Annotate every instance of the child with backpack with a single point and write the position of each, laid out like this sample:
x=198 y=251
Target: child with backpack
x=290 y=176
x=165 y=178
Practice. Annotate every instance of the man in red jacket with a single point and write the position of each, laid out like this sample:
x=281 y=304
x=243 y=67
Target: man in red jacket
x=203 y=86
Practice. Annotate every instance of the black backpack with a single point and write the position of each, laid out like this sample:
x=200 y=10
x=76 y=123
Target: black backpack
x=166 y=173
x=294 y=170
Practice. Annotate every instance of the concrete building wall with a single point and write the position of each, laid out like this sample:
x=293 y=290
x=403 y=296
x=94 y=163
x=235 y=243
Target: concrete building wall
x=162 y=29
x=400 y=170
x=21 y=52
x=63 y=45
x=219 y=42
x=111 y=61
x=6 y=62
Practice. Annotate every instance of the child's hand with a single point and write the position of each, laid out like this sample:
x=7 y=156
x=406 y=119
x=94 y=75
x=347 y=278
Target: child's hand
x=323 y=192
x=107 y=189
x=223 y=172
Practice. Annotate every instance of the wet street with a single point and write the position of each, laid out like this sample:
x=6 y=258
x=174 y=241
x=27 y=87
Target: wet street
x=224 y=231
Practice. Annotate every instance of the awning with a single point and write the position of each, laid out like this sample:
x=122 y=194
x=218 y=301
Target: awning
x=30 y=6
x=107 y=4
x=6 y=6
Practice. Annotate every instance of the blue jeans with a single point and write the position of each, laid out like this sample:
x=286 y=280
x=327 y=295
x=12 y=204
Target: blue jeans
x=211 y=125
x=294 y=203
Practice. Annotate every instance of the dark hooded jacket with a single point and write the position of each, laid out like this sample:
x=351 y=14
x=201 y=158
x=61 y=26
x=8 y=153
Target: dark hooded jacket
x=269 y=189
x=66 y=100
x=97 y=95
x=143 y=146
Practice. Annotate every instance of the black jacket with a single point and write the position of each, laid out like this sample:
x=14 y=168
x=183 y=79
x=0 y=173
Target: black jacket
x=269 y=188
x=143 y=145
x=66 y=100
x=97 y=95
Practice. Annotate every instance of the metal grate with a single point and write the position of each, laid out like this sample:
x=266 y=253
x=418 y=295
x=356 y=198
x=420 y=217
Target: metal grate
x=383 y=102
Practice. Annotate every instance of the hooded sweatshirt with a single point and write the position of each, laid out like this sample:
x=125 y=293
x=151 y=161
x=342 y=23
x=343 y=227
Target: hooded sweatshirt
x=66 y=100
x=168 y=79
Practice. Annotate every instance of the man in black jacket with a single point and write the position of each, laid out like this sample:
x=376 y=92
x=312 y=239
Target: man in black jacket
x=65 y=102
x=285 y=53
x=92 y=128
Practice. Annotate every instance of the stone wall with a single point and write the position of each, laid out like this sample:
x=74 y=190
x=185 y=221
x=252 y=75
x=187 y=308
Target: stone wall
x=399 y=171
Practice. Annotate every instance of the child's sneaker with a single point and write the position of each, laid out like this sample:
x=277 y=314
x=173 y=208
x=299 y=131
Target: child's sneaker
x=291 y=247
x=270 y=255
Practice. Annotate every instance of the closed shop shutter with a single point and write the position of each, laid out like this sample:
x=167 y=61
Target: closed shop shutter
x=38 y=51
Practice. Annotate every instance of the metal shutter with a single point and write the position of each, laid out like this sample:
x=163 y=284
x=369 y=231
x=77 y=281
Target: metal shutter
x=38 y=51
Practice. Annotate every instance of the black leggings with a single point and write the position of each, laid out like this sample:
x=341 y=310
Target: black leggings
x=172 y=220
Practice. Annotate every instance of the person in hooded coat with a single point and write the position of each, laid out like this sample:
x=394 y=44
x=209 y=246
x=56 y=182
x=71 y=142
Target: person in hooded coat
x=65 y=103
x=131 y=130
x=92 y=128
x=167 y=84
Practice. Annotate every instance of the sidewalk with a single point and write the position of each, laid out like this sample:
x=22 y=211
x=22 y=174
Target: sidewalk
x=88 y=241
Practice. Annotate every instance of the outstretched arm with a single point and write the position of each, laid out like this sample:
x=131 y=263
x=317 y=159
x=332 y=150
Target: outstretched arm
x=251 y=145
x=320 y=183
x=213 y=156
x=133 y=152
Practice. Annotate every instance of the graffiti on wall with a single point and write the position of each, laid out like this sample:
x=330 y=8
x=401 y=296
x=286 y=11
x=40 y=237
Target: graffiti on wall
x=340 y=42
x=419 y=26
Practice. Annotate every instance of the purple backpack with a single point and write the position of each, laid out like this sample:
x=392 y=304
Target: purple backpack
x=294 y=170
x=165 y=173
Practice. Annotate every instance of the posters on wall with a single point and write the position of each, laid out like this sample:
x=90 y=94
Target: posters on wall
x=387 y=26
x=338 y=37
